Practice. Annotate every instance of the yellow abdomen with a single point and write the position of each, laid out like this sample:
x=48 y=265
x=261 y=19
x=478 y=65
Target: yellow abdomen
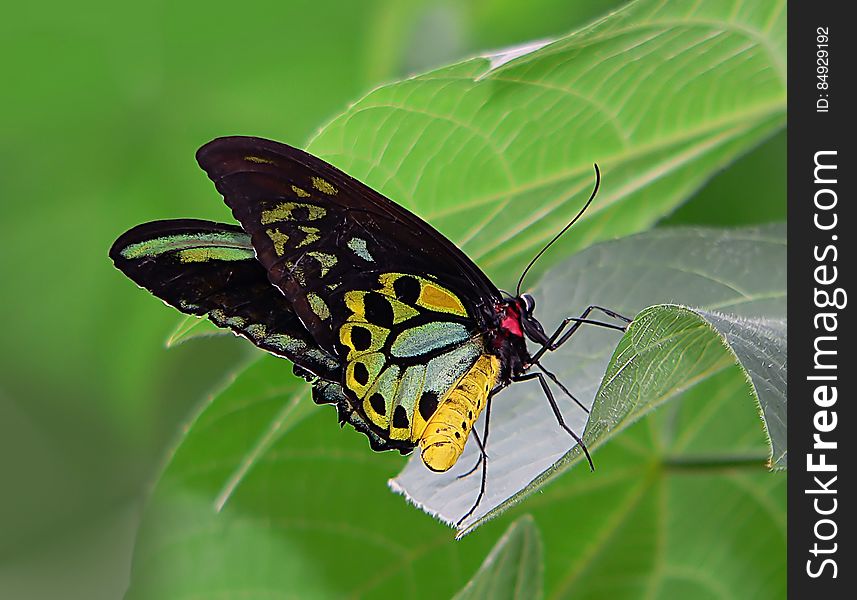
x=443 y=439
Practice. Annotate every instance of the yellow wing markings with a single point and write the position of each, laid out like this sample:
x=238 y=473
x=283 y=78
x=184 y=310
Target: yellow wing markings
x=259 y=160
x=299 y=192
x=362 y=372
x=361 y=337
x=355 y=301
x=285 y=211
x=433 y=403
x=323 y=186
x=279 y=239
x=424 y=293
x=312 y=235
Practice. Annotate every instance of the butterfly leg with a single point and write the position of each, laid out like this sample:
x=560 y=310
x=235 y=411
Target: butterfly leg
x=556 y=380
x=555 y=341
x=549 y=395
x=483 y=460
x=484 y=443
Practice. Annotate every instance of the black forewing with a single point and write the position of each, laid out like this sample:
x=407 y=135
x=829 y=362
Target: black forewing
x=210 y=269
x=303 y=216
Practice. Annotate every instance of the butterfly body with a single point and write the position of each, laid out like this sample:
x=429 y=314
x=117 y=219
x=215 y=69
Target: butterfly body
x=387 y=319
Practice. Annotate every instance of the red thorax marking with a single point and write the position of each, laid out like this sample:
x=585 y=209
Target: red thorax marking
x=511 y=319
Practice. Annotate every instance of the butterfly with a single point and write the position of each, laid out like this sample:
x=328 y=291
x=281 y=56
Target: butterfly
x=386 y=318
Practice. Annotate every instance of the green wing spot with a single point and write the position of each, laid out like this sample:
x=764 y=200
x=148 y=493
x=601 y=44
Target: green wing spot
x=358 y=246
x=423 y=339
x=443 y=371
x=229 y=246
x=256 y=331
x=318 y=306
x=409 y=392
x=378 y=402
x=221 y=319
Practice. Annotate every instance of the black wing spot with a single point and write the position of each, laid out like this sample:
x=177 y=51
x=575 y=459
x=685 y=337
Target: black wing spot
x=457 y=435
x=299 y=213
x=428 y=405
x=361 y=373
x=361 y=338
x=464 y=425
x=407 y=289
x=378 y=310
x=379 y=405
x=400 y=417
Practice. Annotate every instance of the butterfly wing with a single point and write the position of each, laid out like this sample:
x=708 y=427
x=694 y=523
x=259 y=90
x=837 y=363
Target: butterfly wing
x=210 y=269
x=399 y=304
x=314 y=227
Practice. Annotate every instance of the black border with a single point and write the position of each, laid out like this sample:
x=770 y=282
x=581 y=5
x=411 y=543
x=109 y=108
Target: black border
x=810 y=131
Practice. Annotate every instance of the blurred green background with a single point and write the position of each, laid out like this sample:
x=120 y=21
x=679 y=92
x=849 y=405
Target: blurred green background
x=104 y=105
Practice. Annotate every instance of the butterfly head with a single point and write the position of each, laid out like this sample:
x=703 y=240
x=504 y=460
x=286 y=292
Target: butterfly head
x=529 y=324
x=518 y=321
x=515 y=325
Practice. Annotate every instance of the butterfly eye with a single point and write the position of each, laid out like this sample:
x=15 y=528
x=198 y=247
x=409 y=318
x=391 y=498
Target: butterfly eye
x=529 y=303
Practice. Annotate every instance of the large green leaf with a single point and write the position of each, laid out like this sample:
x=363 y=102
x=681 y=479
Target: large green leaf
x=497 y=151
x=514 y=568
x=668 y=348
x=738 y=272
x=668 y=513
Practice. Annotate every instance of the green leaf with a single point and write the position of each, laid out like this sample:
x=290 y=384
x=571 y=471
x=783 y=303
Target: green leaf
x=191 y=327
x=497 y=151
x=657 y=520
x=669 y=348
x=740 y=271
x=513 y=569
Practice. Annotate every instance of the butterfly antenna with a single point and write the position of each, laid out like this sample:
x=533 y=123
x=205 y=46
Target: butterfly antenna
x=564 y=229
